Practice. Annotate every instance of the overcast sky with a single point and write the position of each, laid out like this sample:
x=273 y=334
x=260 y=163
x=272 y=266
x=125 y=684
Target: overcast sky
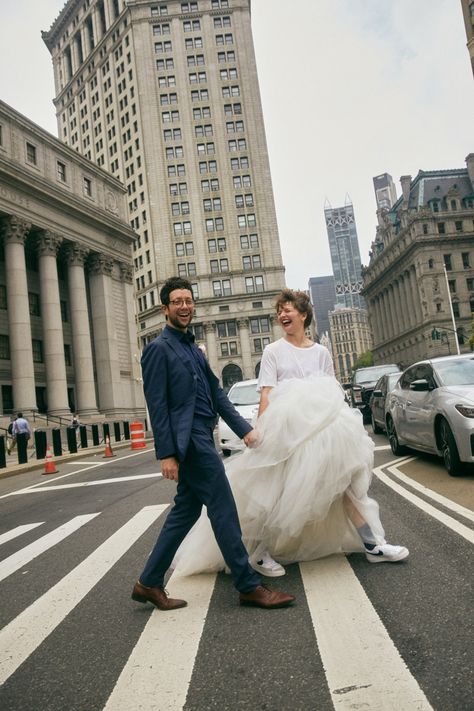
x=350 y=89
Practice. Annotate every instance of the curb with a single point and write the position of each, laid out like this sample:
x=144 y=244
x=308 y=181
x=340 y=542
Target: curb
x=39 y=464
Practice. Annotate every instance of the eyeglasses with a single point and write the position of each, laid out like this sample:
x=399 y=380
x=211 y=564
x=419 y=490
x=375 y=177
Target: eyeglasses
x=181 y=302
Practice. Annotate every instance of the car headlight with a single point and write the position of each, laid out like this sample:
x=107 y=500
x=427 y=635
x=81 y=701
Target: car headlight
x=465 y=410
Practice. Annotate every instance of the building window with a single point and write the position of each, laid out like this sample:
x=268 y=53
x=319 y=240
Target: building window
x=61 y=171
x=34 y=304
x=31 y=153
x=64 y=311
x=469 y=284
x=87 y=187
x=447 y=262
x=466 y=262
x=4 y=348
x=67 y=354
x=260 y=325
x=458 y=225
x=253 y=284
x=37 y=347
x=249 y=241
x=3 y=297
x=260 y=343
x=452 y=285
x=456 y=309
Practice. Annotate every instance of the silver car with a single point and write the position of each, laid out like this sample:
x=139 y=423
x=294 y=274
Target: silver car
x=432 y=409
x=380 y=399
x=245 y=399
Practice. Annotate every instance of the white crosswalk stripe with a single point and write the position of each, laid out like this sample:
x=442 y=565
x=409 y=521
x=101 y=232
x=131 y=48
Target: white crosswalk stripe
x=25 y=555
x=26 y=632
x=18 y=531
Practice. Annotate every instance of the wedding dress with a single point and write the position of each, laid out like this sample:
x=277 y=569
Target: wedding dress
x=289 y=488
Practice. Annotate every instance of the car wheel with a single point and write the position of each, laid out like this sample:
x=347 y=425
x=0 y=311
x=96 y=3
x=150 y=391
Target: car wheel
x=449 y=450
x=397 y=449
x=376 y=429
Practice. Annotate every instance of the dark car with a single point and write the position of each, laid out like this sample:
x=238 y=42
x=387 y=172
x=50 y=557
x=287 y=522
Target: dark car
x=363 y=383
x=379 y=401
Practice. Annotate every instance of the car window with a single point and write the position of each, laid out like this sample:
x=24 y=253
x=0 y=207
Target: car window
x=458 y=371
x=408 y=377
x=244 y=395
x=369 y=375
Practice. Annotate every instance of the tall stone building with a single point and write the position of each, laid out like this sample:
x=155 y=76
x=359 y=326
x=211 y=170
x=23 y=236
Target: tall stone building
x=165 y=96
x=421 y=264
x=351 y=336
x=385 y=191
x=345 y=254
x=468 y=13
x=67 y=325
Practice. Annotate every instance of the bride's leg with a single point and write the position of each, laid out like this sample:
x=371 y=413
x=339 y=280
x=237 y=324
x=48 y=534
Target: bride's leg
x=363 y=528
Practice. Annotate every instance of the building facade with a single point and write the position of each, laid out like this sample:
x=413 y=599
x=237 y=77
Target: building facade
x=165 y=96
x=421 y=265
x=322 y=292
x=68 y=338
x=468 y=14
x=345 y=254
x=385 y=191
x=350 y=336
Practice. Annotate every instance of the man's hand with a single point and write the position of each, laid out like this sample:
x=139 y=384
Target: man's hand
x=251 y=439
x=169 y=468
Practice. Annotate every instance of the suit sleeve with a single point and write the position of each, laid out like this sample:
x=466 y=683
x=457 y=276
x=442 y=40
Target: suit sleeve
x=155 y=384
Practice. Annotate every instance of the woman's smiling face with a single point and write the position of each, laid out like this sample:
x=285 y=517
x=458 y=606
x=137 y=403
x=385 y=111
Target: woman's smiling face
x=290 y=319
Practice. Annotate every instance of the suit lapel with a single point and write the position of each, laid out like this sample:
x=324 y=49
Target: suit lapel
x=180 y=352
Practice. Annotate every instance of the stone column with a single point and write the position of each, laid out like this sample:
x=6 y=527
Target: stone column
x=53 y=339
x=14 y=231
x=136 y=383
x=276 y=328
x=407 y=310
x=243 y=325
x=415 y=297
x=86 y=401
x=401 y=317
x=211 y=345
x=105 y=337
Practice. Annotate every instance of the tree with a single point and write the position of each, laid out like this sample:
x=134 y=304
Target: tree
x=364 y=360
x=471 y=339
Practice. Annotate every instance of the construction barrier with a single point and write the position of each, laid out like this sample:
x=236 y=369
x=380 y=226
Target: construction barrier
x=108 y=449
x=137 y=435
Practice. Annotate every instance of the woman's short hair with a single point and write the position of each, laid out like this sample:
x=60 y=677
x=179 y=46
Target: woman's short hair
x=300 y=301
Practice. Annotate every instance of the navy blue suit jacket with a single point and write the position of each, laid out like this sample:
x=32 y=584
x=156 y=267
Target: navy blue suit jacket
x=170 y=385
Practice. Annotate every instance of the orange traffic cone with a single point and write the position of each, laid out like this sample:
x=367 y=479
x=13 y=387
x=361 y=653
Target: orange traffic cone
x=108 y=449
x=137 y=435
x=49 y=465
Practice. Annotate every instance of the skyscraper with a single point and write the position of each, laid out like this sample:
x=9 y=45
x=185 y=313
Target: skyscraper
x=323 y=297
x=345 y=254
x=468 y=13
x=385 y=191
x=165 y=96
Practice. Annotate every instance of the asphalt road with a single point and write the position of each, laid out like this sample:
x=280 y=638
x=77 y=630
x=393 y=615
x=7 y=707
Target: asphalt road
x=361 y=636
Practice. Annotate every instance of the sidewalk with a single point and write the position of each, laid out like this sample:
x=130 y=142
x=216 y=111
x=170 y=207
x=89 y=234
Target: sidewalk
x=14 y=468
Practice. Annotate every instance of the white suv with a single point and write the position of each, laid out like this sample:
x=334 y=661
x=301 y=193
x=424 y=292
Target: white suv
x=245 y=399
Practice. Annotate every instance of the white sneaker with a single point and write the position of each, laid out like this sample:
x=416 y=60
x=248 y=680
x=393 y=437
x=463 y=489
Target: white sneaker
x=386 y=553
x=267 y=566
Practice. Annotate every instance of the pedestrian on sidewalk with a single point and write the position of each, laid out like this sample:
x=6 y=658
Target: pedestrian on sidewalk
x=184 y=399
x=20 y=426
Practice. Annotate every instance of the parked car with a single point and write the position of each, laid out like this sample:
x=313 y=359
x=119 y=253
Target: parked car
x=431 y=409
x=379 y=401
x=245 y=398
x=363 y=383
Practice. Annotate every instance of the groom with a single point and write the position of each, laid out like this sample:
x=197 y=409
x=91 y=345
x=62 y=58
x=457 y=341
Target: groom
x=184 y=399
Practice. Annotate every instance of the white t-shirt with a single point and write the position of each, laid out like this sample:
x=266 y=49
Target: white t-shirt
x=282 y=361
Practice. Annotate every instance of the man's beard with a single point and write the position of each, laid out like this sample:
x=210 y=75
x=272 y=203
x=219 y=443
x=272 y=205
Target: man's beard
x=176 y=323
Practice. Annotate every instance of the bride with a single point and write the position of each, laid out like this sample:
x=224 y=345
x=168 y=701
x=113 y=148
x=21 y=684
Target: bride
x=301 y=493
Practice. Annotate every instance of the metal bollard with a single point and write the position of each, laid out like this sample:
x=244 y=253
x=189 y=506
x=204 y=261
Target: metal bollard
x=56 y=435
x=3 y=459
x=117 y=431
x=22 y=447
x=83 y=436
x=95 y=435
x=106 y=430
x=40 y=444
x=126 y=429
x=71 y=440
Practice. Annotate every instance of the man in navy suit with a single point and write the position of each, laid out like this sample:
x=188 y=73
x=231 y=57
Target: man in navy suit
x=184 y=399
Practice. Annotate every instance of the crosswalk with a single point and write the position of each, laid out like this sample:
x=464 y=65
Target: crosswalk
x=350 y=636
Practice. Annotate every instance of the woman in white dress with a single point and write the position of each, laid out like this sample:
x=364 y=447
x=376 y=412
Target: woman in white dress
x=301 y=493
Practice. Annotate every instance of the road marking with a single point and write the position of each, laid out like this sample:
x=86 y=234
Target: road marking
x=27 y=631
x=362 y=665
x=382 y=446
x=25 y=555
x=158 y=671
x=443 y=500
x=459 y=528
x=18 y=531
x=77 y=471
x=114 y=480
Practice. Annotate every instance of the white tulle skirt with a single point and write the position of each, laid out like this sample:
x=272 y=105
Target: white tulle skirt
x=302 y=490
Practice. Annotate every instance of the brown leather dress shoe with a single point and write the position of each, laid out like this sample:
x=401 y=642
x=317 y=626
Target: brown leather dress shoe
x=264 y=596
x=157 y=596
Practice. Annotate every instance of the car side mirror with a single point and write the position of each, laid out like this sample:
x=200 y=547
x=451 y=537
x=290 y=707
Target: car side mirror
x=377 y=393
x=420 y=385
